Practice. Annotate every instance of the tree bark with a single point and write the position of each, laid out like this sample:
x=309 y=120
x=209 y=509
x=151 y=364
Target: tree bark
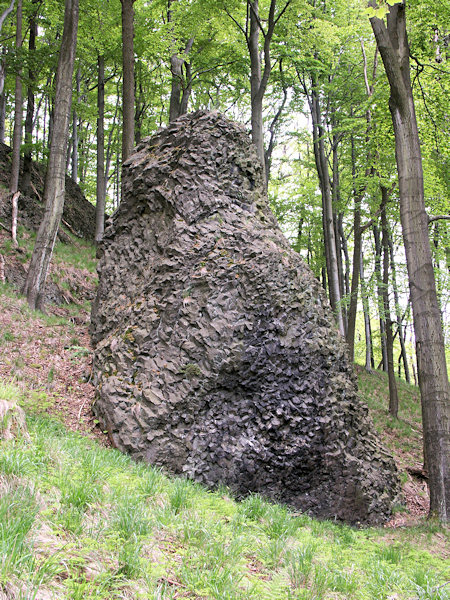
x=256 y=88
x=393 y=45
x=370 y=363
x=401 y=334
x=128 y=78
x=327 y=208
x=274 y=126
x=181 y=84
x=74 y=169
x=379 y=279
x=17 y=134
x=393 y=396
x=26 y=174
x=55 y=178
x=260 y=72
x=101 y=184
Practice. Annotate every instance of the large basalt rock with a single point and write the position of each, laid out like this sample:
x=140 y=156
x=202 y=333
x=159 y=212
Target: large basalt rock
x=216 y=354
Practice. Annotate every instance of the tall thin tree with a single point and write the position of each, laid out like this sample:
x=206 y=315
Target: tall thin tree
x=392 y=42
x=55 y=178
x=17 y=132
x=101 y=183
x=128 y=78
x=33 y=27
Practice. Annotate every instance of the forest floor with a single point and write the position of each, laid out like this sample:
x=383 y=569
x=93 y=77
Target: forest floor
x=45 y=364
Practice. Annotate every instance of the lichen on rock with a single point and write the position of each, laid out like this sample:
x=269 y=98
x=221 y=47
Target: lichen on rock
x=216 y=353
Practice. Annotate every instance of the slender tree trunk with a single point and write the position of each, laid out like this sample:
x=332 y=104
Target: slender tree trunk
x=379 y=280
x=327 y=210
x=140 y=105
x=393 y=45
x=357 y=249
x=128 y=78
x=2 y=108
x=275 y=125
x=393 y=396
x=401 y=335
x=55 y=177
x=3 y=17
x=26 y=174
x=101 y=185
x=181 y=83
x=370 y=363
x=344 y=266
x=260 y=71
x=357 y=244
x=17 y=134
x=339 y=235
x=75 y=130
x=256 y=91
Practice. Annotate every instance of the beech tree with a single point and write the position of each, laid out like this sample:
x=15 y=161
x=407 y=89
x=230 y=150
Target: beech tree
x=127 y=78
x=392 y=41
x=56 y=171
x=17 y=135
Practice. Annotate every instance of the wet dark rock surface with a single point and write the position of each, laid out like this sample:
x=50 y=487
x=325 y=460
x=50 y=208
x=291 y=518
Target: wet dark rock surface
x=216 y=354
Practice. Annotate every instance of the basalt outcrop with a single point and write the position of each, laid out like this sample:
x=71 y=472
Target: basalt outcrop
x=216 y=353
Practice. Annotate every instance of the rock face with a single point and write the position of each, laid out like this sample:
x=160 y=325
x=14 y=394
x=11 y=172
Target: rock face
x=216 y=354
x=78 y=215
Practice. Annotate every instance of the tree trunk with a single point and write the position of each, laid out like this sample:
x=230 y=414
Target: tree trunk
x=26 y=174
x=370 y=363
x=101 y=186
x=275 y=125
x=379 y=279
x=327 y=209
x=357 y=247
x=393 y=45
x=17 y=134
x=401 y=334
x=55 y=178
x=393 y=396
x=356 y=267
x=343 y=266
x=2 y=105
x=256 y=91
x=181 y=83
x=128 y=78
x=74 y=169
x=260 y=72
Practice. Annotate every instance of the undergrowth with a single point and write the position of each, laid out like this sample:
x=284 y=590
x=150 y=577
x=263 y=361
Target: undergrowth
x=81 y=521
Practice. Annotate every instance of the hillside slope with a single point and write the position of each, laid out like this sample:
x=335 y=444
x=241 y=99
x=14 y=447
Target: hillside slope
x=78 y=520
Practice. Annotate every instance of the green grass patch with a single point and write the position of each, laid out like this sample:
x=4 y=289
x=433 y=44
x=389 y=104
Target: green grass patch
x=114 y=528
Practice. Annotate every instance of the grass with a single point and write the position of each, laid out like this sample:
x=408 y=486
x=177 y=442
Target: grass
x=404 y=432
x=83 y=521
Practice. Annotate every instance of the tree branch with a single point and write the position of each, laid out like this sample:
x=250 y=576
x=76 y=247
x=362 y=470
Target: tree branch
x=438 y=218
x=238 y=25
x=6 y=13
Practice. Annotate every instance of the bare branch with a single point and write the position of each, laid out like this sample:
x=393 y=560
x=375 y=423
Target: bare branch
x=282 y=12
x=238 y=25
x=6 y=13
x=438 y=218
x=255 y=14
